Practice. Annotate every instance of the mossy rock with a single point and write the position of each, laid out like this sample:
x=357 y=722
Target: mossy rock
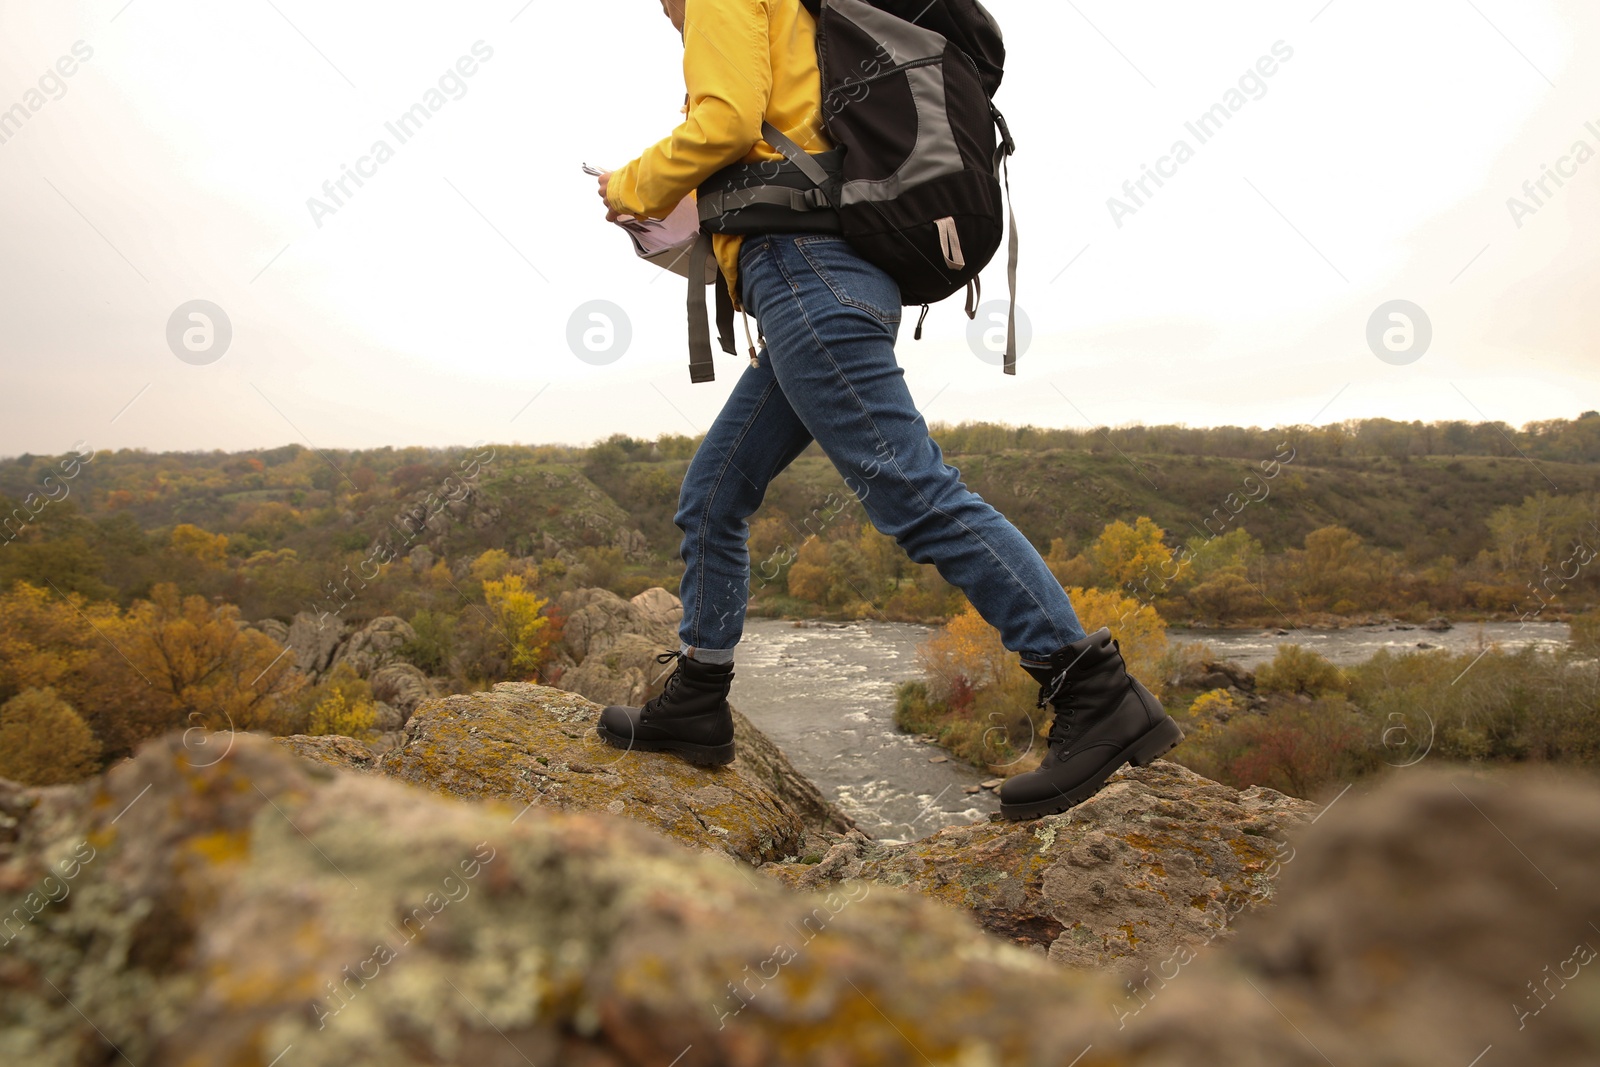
x=532 y=745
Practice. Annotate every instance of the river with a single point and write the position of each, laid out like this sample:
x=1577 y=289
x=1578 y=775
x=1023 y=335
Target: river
x=825 y=693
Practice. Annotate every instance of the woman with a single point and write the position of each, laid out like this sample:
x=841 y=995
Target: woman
x=827 y=373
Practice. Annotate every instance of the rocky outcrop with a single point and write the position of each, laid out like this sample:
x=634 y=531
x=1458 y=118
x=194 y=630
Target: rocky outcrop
x=345 y=753
x=658 y=608
x=1436 y=918
x=1159 y=859
x=401 y=686
x=624 y=672
x=535 y=746
x=275 y=629
x=313 y=640
x=321 y=642
x=616 y=642
x=255 y=908
x=597 y=618
x=375 y=645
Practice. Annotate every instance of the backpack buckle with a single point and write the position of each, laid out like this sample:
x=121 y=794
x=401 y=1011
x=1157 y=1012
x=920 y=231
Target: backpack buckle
x=1005 y=131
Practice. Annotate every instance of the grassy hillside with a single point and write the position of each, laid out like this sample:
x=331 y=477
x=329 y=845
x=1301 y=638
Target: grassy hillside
x=108 y=525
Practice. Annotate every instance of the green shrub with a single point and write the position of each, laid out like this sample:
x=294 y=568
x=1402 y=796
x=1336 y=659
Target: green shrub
x=1299 y=670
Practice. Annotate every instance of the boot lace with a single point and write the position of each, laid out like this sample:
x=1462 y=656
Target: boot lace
x=1059 y=693
x=672 y=682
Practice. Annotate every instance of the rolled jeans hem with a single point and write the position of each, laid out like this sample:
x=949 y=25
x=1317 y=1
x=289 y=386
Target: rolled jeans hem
x=706 y=655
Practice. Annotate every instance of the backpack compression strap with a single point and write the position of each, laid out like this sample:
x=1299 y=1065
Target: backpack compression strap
x=1002 y=160
x=701 y=368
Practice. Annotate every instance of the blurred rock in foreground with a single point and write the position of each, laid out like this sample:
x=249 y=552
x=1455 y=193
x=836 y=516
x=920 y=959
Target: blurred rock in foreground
x=233 y=903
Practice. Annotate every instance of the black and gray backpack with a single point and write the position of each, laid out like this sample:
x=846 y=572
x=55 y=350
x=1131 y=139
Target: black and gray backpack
x=914 y=179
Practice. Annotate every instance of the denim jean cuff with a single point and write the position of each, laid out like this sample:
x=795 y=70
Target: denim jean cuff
x=707 y=655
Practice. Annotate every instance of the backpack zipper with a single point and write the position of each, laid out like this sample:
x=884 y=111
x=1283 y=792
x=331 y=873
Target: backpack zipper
x=926 y=61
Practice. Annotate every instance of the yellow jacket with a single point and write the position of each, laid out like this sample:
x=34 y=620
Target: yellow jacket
x=743 y=61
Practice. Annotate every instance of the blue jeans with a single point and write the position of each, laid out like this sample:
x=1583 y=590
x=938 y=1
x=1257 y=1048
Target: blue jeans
x=828 y=372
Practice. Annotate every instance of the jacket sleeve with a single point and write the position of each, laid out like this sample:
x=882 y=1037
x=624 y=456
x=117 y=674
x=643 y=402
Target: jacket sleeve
x=727 y=68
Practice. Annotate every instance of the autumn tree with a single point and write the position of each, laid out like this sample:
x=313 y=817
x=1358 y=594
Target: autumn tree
x=808 y=575
x=1124 y=555
x=1140 y=631
x=49 y=640
x=202 y=668
x=491 y=565
x=43 y=741
x=509 y=635
x=342 y=704
x=197 y=544
x=1070 y=568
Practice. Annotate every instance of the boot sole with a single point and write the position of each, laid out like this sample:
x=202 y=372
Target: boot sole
x=1156 y=742
x=699 y=755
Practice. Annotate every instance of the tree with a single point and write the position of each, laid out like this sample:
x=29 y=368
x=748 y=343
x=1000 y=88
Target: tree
x=491 y=565
x=1069 y=568
x=197 y=544
x=43 y=741
x=343 y=705
x=808 y=576
x=1337 y=571
x=516 y=611
x=965 y=654
x=1123 y=555
x=1140 y=632
x=201 y=667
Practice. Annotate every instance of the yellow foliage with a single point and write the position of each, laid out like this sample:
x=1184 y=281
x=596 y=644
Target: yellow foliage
x=1130 y=554
x=45 y=642
x=439 y=576
x=808 y=575
x=1070 y=569
x=202 y=668
x=1215 y=705
x=491 y=565
x=1140 y=631
x=43 y=741
x=336 y=715
x=966 y=647
x=516 y=610
x=198 y=544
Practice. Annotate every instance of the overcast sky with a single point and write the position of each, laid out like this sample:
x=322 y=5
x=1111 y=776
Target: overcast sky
x=431 y=303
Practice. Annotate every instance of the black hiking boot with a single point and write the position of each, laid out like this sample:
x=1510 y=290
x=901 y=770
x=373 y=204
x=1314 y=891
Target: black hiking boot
x=690 y=717
x=1104 y=718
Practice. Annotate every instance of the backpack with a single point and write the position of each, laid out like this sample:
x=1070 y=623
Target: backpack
x=914 y=180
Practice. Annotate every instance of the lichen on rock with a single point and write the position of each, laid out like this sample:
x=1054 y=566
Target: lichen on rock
x=1161 y=857
x=534 y=745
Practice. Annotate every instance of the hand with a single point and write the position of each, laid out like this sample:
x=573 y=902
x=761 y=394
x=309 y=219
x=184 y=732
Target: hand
x=612 y=215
